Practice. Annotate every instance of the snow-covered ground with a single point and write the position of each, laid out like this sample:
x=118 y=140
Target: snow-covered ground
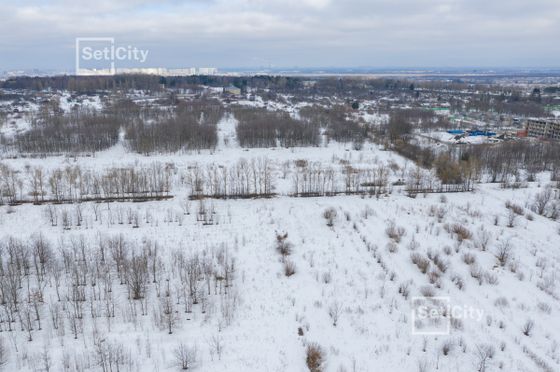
x=358 y=274
x=455 y=139
x=227 y=137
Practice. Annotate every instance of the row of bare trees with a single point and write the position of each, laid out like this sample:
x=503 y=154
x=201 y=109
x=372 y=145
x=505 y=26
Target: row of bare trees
x=73 y=184
x=239 y=180
x=312 y=179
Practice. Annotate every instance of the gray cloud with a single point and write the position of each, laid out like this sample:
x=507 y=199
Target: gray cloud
x=222 y=33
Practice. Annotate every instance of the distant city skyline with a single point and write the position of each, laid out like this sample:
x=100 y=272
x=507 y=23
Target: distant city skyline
x=242 y=34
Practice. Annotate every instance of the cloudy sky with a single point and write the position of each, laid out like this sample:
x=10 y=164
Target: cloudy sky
x=287 y=33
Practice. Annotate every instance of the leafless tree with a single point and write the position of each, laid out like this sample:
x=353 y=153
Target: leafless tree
x=503 y=252
x=216 y=345
x=335 y=309
x=168 y=313
x=185 y=356
x=483 y=354
x=330 y=215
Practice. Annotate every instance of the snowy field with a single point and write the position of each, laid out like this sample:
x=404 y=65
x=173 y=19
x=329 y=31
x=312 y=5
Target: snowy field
x=345 y=283
x=195 y=277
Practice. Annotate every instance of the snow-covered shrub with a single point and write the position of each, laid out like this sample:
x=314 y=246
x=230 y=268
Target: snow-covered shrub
x=330 y=215
x=185 y=356
x=458 y=281
x=335 y=309
x=512 y=216
x=469 y=258
x=490 y=278
x=447 y=347
x=476 y=273
x=434 y=277
x=289 y=268
x=395 y=232
x=404 y=290
x=527 y=328
x=544 y=307
x=515 y=208
x=501 y=302
x=283 y=246
x=315 y=358
x=461 y=232
x=392 y=247
x=542 y=199
x=503 y=253
x=422 y=262
x=427 y=291
x=439 y=262
x=482 y=240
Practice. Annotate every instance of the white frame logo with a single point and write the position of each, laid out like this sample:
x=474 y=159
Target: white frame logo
x=109 y=53
x=432 y=307
x=80 y=40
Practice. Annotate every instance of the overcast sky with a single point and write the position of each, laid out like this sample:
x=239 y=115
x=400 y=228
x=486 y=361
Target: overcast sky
x=286 y=33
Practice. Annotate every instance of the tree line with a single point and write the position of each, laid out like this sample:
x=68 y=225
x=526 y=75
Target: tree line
x=73 y=184
x=259 y=127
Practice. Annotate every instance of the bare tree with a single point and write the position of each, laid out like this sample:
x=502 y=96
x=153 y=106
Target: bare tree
x=168 y=313
x=330 y=215
x=185 y=356
x=216 y=344
x=542 y=199
x=503 y=253
x=483 y=354
x=335 y=309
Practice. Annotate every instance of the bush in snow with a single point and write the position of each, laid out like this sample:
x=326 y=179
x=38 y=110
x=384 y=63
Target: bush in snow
x=330 y=215
x=283 y=246
x=517 y=209
x=461 y=232
x=422 y=262
x=447 y=347
x=458 y=281
x=289 y=268
x=185 y=356
x=469 y=258
x=503 y=253
x=404 y=290
x=315 y=358
x=427 y=291
x=528 y=327
x=542 y=199
x=483 y=354
x=395 y=232
x=392 y=247
x=334 y=312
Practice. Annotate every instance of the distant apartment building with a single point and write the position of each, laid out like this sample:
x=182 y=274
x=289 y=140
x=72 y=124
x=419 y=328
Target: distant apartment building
x=544 y=128
x=161 y=71
x=207 y=71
